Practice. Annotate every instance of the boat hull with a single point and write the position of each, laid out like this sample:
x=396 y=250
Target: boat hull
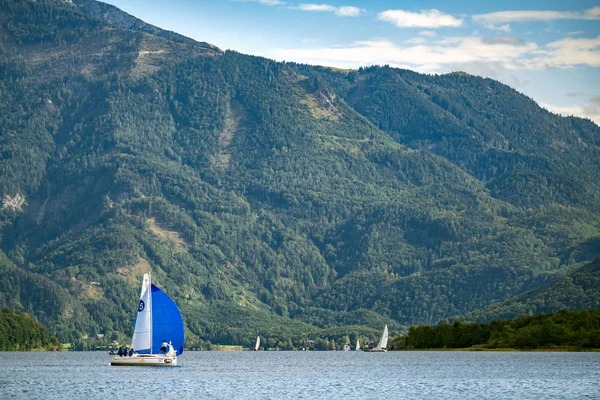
x=144 y=360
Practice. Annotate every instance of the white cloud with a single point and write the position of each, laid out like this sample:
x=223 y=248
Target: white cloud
x=428 y=33
x=511 y=53
x=592 y=13
x=425 y=19
x=316 y=7
x=502 y=17
x=566 y=53
x=426 y=58
x=502 y=28
x=343 y=11
x=590 y=110
x=348 y=11
x=265 y=2
x=416 y=40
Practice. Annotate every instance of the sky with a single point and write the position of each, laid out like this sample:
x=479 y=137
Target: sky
x=549 y=50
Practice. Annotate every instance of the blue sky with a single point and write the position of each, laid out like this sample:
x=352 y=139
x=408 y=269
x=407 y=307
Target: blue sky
x=549 y=50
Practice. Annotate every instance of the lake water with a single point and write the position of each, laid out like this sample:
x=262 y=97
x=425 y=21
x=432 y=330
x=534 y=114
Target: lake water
x=306 y=375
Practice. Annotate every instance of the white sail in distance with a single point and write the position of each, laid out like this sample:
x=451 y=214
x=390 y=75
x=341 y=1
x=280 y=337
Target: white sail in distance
x=384 y=339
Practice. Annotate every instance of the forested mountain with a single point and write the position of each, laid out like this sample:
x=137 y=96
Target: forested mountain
x=269 y=198
x=578 y=290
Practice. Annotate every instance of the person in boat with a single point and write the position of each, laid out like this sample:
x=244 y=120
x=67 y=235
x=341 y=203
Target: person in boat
x=163 y=347
x=131 y=352
x=125 y=351
x=120 y=352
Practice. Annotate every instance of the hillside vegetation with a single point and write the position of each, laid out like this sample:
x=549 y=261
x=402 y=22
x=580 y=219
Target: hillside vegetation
x=20 y=332
x=579 y=290
x=269 y=198
x=572 y=329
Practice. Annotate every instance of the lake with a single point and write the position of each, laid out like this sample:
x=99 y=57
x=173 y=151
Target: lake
x=306 y=375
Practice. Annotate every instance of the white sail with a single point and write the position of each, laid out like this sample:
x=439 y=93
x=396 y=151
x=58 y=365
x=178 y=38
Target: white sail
x=357 y=345
x=142 y=334
x=384 y=339
x=257 y=343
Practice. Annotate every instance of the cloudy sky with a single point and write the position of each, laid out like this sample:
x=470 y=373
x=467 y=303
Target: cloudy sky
x=549 y=50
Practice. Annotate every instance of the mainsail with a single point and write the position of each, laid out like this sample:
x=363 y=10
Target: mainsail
x=158 y=319
x=357 y=345
x=142 y=334
x=384 y=339
x=257 y=343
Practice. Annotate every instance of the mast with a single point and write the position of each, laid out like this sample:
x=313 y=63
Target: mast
x=150 y=298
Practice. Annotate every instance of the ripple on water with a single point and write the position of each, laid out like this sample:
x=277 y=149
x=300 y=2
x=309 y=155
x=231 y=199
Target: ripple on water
x=307 y=375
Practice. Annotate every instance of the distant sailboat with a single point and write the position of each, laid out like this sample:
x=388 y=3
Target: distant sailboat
x=158 y=319
x=257 y=343
x=357 y=346
x=382 y=345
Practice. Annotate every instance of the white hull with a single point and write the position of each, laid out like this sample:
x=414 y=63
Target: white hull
x=145 y=360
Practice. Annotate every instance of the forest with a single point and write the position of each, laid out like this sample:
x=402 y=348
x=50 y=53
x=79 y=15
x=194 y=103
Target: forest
x=562 y=329
x=20 y=332
x=271 y=198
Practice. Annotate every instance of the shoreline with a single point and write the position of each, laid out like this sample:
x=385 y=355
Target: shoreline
x=466 y=349
x=512 y=350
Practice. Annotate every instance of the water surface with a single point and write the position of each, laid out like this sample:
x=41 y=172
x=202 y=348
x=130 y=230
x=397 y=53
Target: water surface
x=306 y=375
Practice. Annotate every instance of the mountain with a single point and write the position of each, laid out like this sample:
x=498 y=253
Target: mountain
x=575 y=291
x=269 y=198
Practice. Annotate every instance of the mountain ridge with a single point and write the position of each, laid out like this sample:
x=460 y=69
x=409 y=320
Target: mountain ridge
x=577 y=290
x=293 y=197
x=121 y=19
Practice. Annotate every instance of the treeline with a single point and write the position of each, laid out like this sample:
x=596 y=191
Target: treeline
x=560 y=329
x=20 y=332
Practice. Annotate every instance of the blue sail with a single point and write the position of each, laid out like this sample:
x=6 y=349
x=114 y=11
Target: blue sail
x=166 y=322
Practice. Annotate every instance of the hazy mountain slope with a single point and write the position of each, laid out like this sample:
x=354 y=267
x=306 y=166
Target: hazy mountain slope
x=543 y=164
x=261 y=199
x=576 y=291
x=525 y=154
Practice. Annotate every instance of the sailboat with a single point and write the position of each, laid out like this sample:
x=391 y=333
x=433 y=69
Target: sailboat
x=382 y=345
x=257 y=343
x=357 y=346
x=158 y=320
